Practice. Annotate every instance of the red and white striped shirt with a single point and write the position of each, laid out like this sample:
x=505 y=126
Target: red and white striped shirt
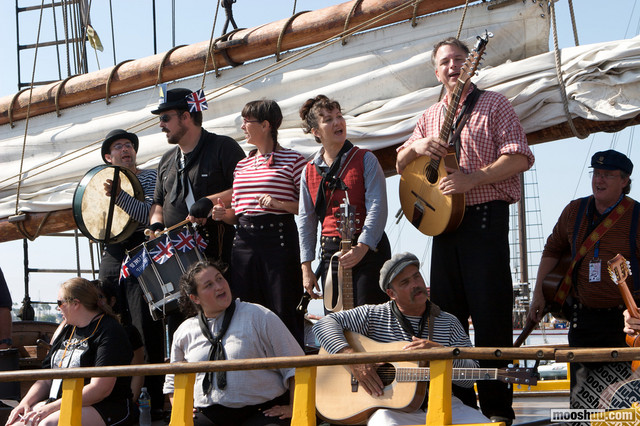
x=254 y=177
x=493 y=129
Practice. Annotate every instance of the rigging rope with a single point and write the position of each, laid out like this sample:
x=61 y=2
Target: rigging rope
x=561 y=85
x=464 y=14
x=573 y=23
x=209 y=51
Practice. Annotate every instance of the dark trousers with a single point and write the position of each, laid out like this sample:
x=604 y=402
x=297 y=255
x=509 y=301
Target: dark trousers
x=250 y=415
x=470 y=276
x=366 y=274
x=265 y=267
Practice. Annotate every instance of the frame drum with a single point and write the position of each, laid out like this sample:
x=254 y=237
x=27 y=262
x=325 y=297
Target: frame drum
x=91 y=205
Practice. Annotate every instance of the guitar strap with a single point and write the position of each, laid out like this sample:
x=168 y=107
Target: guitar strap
x=428 y=316
x=604 y=226
x=331 y=179
x=464 y=115
x=332 y=286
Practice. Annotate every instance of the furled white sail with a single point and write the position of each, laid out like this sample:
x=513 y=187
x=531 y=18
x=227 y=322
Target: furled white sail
x=382 y=78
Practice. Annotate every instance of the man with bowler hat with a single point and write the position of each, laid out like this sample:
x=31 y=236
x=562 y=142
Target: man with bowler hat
x=196 y=173
x=120 y=148
x=592 y=230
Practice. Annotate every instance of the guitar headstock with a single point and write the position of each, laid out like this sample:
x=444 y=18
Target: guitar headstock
x=523 y=376
x=619 y=269
x=347 y=220
x=473 y=60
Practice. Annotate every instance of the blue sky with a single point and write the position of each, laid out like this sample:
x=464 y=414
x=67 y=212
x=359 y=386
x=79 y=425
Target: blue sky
x=560 y=165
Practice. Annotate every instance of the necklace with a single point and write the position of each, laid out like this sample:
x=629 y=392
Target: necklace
x=66 y=346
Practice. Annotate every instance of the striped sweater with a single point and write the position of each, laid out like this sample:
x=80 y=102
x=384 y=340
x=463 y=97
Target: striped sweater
x=139 y=210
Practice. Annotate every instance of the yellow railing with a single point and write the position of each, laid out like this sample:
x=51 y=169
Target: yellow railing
x=304 y=414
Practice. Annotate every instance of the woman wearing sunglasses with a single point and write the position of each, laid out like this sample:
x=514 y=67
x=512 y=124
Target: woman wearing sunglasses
x=265 y=257
x=92 y=337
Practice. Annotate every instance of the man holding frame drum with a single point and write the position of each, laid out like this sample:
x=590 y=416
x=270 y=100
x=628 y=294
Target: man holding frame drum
x=120 y=149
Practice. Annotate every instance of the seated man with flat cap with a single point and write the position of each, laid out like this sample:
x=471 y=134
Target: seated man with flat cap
x=196 y=173
x=409 y=316
x=592 y=230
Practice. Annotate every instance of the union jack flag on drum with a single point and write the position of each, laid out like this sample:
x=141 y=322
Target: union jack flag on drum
x=183 y=242
x=197 y=101
x=162 y=251
x=201 y=242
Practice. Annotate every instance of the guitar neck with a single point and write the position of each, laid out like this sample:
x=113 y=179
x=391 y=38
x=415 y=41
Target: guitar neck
x=347 y=279
x=422 y=374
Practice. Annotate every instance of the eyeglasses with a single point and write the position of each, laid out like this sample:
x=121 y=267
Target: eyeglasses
x=608 y=176
x=165 y=118
x=119 y=146
x=245 y=121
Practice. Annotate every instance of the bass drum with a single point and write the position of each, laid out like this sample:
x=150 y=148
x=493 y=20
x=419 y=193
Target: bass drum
x=91 y=207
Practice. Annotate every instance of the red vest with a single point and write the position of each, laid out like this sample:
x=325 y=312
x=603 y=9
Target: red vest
x=352 y=174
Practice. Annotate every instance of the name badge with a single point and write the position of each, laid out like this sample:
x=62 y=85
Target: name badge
x=595 y=268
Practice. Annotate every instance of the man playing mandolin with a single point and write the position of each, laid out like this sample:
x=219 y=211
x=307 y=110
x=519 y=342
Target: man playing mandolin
x=409 y=316
x=470 y=273
x=593 y=230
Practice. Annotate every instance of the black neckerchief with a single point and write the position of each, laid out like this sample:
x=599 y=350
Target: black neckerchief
x=330 y=181
x=217 y=351
x=406 y=325
x=179 y=191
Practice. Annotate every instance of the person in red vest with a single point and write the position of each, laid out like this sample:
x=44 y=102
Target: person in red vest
x=341 y=172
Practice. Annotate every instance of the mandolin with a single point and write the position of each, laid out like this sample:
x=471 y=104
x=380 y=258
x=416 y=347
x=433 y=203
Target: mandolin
x=421 y=200
x=619 y=270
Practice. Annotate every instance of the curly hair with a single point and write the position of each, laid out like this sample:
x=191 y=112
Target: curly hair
x=189 y=286
x=310 y=111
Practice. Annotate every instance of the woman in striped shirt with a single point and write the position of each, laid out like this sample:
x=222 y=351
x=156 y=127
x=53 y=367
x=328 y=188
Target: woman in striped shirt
x=265 y=257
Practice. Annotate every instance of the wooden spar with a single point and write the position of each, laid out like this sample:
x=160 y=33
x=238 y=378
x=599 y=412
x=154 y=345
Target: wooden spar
x=62 y=220
x=244 y=45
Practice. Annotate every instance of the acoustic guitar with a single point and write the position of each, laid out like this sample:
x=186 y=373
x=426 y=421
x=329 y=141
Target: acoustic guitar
x=345 y=297
x=422 y=202
x=340 y=399
x=619 y=269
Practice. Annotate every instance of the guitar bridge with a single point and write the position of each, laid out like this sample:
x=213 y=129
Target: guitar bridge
x=354 y=384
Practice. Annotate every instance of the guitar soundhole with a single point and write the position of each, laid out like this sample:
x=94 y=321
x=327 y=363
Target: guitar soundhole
x=431 y=174
x=387 y=373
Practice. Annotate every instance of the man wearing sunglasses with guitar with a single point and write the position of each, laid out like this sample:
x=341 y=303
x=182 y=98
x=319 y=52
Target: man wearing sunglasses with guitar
x=590 y=232
x=484 y=149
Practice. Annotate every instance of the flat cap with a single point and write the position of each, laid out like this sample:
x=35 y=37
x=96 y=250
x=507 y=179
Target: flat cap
x=394 y=266
x=611 y=160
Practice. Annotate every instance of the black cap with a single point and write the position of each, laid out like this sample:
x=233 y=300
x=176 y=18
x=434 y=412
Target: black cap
x=611 y=160
x=174 y=99
x=114 y=135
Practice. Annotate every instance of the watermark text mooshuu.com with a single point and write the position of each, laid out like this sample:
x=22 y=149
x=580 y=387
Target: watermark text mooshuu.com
x=585 y=415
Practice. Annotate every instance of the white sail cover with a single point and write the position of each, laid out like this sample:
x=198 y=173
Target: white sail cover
x=383 y=79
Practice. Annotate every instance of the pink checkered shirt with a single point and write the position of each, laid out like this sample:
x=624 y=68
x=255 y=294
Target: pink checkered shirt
x=493 y=129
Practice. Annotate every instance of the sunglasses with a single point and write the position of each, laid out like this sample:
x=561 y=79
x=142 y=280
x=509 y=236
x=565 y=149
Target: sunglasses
x=165 y=118
x=60 y=302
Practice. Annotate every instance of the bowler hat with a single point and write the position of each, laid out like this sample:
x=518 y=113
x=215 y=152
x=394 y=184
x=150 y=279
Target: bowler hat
x=394 y=266
x=611 y=160
x=174 y=99
x=113 y=136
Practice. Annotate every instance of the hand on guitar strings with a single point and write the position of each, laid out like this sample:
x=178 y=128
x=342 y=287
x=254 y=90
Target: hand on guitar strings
x=351 y=258
x=366 y=375
x=456 y=182
x=432 y=146
x=631 y=324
